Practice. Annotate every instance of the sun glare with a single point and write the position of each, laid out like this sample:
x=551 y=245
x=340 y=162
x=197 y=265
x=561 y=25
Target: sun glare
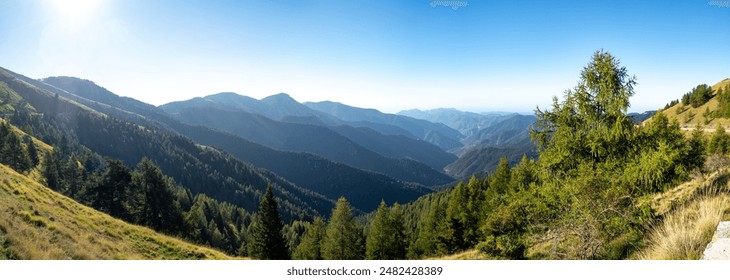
x=75 y=12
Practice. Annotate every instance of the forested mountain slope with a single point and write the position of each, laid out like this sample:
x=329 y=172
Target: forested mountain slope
x=38 y=223
x=316 y=139
x=202 y=170
x=314 y=173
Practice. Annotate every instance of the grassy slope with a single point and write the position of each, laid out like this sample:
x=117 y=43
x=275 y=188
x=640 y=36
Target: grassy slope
x=690 y=213
x=692 y=118
x=38 y=223
x=472 y=254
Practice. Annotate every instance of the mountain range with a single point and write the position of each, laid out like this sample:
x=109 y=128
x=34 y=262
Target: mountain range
x=314 y=173
x=394 y=155
x=313 y=152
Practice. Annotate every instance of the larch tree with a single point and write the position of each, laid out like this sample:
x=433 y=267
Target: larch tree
x=310 y=246
x=343 y=239
x=267 y=241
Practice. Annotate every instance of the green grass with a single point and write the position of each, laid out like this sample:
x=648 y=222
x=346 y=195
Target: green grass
x=38 y=223
x=690 y=118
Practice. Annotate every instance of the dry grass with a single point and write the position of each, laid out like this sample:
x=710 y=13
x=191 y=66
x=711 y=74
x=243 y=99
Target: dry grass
x=691 y=212
x=37 y=223
x=710 y=185
x=684 y=233
x=472 y=254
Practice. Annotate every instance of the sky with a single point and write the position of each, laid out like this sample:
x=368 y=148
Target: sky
x=384 y=54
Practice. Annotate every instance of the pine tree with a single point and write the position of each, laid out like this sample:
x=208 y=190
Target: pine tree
x=111 y=192
x=33 y=153
x=719 y=142
x=591 y=124
x=159 y=210
x=72 y=177
x=309 y=248
x=397 y=227
x=386 y=239
x=500 y=182
x=343 y=239
x=13 y=154
x=266 y=240
x=427 y=242
x=379 y=238
x=52 y=170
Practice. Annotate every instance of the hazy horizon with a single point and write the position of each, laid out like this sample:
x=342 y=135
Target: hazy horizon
x=480 y=56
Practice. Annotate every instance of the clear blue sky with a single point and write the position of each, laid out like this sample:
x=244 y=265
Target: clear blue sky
x=384 y=54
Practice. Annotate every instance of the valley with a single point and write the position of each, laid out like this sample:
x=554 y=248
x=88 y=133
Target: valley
x=416 y=184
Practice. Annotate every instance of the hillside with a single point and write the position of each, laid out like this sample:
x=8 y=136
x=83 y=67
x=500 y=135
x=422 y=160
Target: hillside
x=38 y=223
x=436 y=133
x=691 y=212
x=316 y=139
x=314 y=176
x=481 y=160
x=690 y=118
x=487 y=138
x=291 y=133
x=78 y=129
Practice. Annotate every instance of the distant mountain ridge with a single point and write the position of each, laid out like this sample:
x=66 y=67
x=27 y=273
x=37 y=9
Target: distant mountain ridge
x=354 y=136
x=306 y=170
x=319 y=140
x=436 y=133
x=487 y=138
x=276 y=107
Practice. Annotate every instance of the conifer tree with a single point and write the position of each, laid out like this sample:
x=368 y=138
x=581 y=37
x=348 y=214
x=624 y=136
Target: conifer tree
x=33 y=154
x=110 y=194
x=266 y=240
x=591 y=124
x=386 y=239
x=52 y=170
x=719 y=142
x=427 y=242
x=13 y=153
x=380 y=236
x=500 y=182
x=309 y=248
x=159 y=210
x=399 y=245
x=343 y=239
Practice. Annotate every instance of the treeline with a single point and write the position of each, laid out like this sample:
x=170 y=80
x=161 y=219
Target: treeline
x=700 y=95
x=341 y=238
x=436 y=224
x=145 y=196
